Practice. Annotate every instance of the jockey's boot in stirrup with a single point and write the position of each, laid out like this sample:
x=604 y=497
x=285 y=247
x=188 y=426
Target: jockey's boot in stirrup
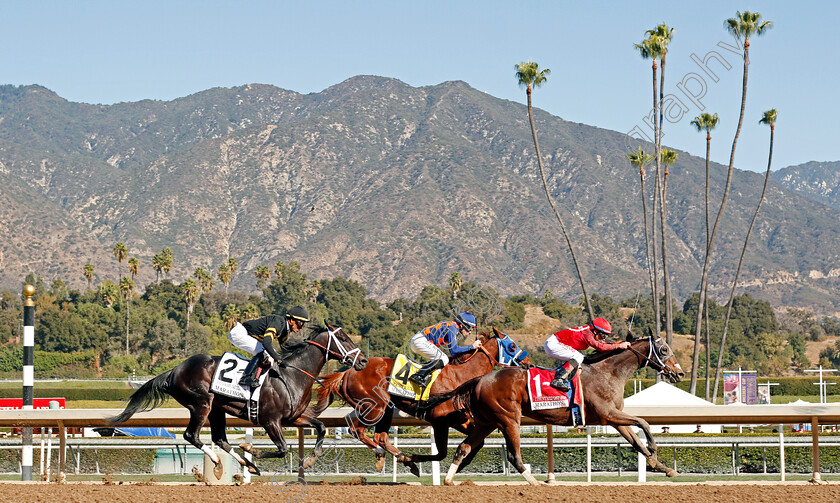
x=562 y=375
x=249 y=376
x=424 y=374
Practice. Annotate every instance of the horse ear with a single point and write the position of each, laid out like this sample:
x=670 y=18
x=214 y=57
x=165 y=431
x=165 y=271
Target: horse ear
x=650 y=332
x=497 y=334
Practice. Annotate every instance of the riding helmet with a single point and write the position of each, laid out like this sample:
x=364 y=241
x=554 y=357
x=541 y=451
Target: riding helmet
x=602 y=325
x=298 y=313
x=466 y=320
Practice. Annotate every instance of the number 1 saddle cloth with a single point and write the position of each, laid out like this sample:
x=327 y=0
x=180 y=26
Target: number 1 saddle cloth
x=543 y=396
x=226 y=382
x=399 y=383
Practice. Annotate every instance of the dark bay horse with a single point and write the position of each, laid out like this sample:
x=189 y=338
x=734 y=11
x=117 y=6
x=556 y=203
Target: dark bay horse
x=367 y=392
x=499 y=400
x=284 y=396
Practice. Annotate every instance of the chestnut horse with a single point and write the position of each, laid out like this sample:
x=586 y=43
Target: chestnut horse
x=284 y=396
x=367 y=392
x=499 y=400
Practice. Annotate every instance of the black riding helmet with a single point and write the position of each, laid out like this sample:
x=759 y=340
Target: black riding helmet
x=298 y=314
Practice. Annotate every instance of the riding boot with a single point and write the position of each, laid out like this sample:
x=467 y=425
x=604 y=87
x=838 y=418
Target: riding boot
x=563 y=375
x=249 y=376
x=424 y=374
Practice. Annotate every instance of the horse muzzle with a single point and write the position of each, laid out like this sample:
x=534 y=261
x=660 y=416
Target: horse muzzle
x=360 y=364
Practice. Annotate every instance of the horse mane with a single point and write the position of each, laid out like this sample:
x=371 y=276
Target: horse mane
x=292 y=348
x=599 y=357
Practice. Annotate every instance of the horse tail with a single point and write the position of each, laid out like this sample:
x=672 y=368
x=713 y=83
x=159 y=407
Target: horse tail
x=330 y=385
x=150 y=395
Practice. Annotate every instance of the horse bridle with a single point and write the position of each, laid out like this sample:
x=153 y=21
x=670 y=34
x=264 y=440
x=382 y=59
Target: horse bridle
x=343 y=354
x=663 y=368
x=489 y=356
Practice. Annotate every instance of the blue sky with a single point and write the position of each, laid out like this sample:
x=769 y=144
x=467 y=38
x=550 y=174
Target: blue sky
x=108 y=52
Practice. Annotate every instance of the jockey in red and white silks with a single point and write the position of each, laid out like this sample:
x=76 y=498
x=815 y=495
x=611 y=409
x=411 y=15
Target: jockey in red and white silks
x=566 y=345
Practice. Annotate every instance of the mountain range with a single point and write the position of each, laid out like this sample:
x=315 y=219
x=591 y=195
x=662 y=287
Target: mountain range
x=391 y=185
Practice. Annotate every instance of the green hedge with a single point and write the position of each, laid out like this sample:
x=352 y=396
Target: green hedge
x=705 y=460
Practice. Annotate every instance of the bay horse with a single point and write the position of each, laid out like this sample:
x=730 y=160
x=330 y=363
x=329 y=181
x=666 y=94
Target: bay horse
x=367 y=392
x=498 y=400
x=283 y=401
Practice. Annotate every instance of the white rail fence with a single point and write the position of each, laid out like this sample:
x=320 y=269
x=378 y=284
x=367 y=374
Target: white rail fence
x=815 y=414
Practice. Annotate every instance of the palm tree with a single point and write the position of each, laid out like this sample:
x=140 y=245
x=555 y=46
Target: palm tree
x=639 y=159
x=166 y=260
x=225 y=275
x=108 y=292
x=529 y=76
x=133 y=266
x=191 y=292
x=263 y=274
x=231 y=315
x=455 y=283
x=126 y=290
x=652 y=48
x=233 y=266
x=157 y=265
x=768 y=118
x=205 y=280
x=88 y=273
x=316 y=289
x=664 y=35
x=742 y=27
x=250 y=312
x=120 y=252
x=707 y=122
x=279 y=269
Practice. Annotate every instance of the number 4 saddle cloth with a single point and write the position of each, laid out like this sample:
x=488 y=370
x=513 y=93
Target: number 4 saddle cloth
x=399 y=383
x=226 y=382
x=544 y=396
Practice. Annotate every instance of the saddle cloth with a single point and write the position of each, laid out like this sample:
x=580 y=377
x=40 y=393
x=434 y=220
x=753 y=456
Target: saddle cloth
x=399 y=383
x=226 y=382
x=544 y=396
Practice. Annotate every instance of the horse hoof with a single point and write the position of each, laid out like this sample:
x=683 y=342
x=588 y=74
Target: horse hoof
x=308 y=462
x=247 y=447
x=254 y=470
x=380 y=462
x=671 y=473
x=414 y=469
x=448 y=482
x=219 y=470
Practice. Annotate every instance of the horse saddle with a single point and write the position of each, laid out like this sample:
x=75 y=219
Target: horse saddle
x=399 y=383
x=543 y=396
x=226 y=382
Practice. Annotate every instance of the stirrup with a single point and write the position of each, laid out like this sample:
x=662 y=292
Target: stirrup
x=560 y=384
x=249 y=382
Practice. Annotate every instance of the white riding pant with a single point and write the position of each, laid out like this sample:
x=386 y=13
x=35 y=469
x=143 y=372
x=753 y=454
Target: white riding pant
x=421 y=345
x=239 y=337
x=560 y=351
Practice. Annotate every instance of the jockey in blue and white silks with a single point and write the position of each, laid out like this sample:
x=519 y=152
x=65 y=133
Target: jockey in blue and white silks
x=428 y=342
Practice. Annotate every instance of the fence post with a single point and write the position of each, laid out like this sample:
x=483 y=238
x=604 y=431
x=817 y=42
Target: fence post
x=549 y=436
x=782 y=451
x=435 y=464
x=815 y=450
x=28 y=377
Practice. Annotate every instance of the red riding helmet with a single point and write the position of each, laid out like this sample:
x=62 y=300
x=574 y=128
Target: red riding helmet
x=601 y=325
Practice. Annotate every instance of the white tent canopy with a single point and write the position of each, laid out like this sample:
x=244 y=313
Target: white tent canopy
x=663 y=393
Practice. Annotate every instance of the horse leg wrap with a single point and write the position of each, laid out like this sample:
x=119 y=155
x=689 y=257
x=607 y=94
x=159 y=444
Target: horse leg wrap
x=213 y=456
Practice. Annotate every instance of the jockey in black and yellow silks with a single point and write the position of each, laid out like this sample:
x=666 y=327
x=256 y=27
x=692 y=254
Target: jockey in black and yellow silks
x=259 y=336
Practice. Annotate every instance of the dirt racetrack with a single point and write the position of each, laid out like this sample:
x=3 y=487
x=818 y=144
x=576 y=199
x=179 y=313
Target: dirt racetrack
x=573 y=493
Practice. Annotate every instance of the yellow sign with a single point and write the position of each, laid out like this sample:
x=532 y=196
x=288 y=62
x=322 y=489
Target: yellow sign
x=400 y=385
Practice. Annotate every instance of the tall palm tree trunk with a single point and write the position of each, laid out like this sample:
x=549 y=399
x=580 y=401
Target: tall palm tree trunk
x=657 y=193
x=556 y=213
x=704 y=278
x=647 y=239
x=669 y=312
x=706 y=305
x=127 y=302
x=740 y=262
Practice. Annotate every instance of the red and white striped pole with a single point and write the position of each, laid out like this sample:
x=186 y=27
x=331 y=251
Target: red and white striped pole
x=28 y=377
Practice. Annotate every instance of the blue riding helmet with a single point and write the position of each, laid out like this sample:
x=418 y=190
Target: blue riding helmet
x=466 y=320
